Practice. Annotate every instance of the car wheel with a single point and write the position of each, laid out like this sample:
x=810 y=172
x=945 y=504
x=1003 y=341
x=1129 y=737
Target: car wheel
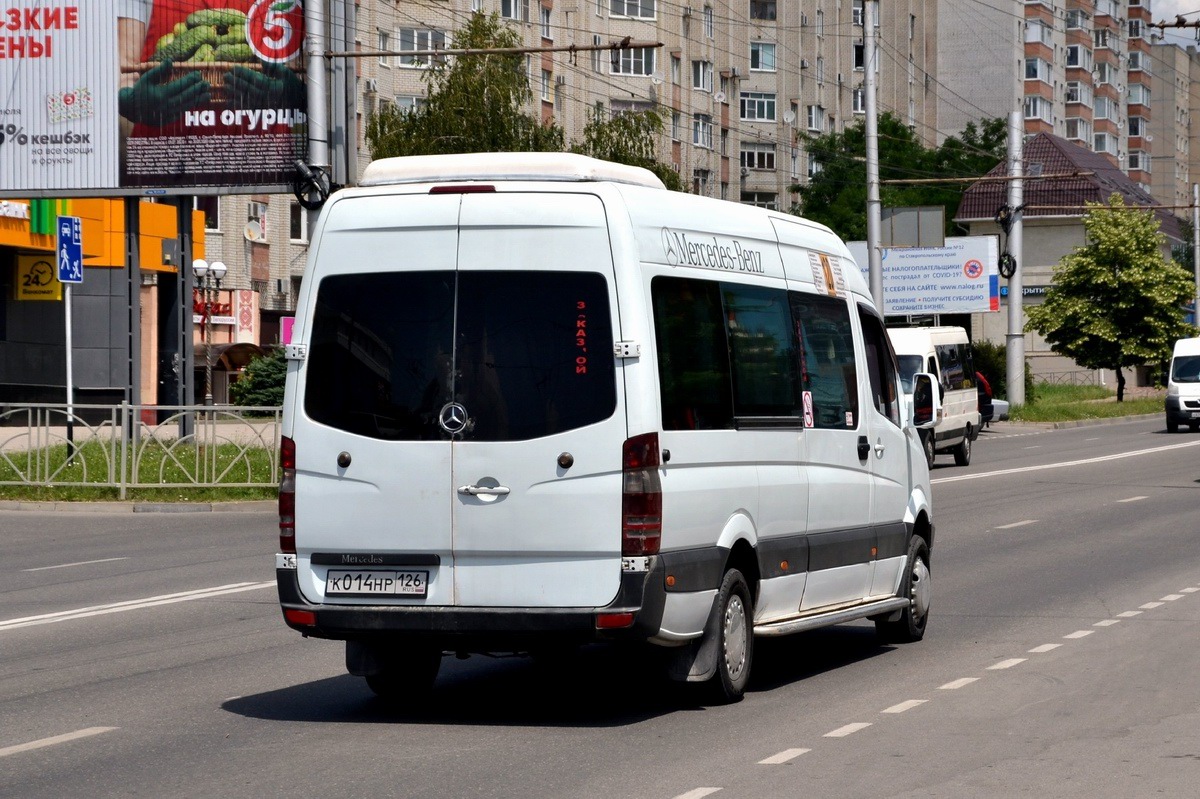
x=917 y=586
x=927 y=445
x=735 y=642
x=962 y=453
x=408 y=678
x=1172 y=426
x=1193 y=426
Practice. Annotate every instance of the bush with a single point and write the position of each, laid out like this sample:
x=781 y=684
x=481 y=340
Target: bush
x=991 y=360
x=262 y=381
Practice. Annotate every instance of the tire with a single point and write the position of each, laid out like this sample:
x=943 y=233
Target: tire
x=917 y=586
x=962 y=453
x=407 y=680
x=927 y=445
x=735 y=639
x=1172 y=425
x=1193 y=426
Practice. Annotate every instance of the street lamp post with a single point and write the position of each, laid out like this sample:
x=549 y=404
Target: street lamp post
x=208 y=278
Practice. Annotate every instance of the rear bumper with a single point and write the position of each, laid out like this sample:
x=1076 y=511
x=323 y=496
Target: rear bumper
x=482 y=629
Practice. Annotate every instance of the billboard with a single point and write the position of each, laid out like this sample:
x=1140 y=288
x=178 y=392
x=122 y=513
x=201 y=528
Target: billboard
x=150 y=96
x=962 y=277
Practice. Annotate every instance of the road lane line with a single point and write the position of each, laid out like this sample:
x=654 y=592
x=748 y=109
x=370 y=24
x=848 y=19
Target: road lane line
x=1129 y=614
x=1016 y=524
x=1132 y=499
x=783 y=757
x=1151 y=605
x=1107 y=623
x=77 y=563
x=1006 y=664
x=956 y=684
x=54 y=741
x=1079 y=634
x=698 y=793
x=133 y=604
x=1189 y=590
x=849 y=729
x=903 y=706
x=1037 y=650
x=1063 y=464
x=1171 y=597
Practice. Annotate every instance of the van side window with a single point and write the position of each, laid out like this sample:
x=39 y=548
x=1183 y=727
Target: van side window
x=957 y=370
x=693 y=354
x=827 y=359
x=762 y=350
x=881 y=367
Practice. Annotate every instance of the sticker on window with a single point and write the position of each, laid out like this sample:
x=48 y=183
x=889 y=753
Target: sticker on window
x=808 y=409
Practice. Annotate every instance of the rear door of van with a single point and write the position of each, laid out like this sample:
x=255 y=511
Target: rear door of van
x=460 y=355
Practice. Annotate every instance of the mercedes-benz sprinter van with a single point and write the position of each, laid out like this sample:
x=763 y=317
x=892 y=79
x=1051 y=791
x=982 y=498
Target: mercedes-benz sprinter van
x=537 y=400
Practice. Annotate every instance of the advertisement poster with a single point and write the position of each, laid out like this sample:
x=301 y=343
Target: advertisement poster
x=150 y=96
x=962 y=277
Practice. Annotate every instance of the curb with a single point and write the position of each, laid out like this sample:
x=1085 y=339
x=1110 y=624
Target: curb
x=251 y=506
x=1076 y=423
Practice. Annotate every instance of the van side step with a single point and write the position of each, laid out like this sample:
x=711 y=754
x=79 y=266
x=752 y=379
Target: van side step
x=796 y=625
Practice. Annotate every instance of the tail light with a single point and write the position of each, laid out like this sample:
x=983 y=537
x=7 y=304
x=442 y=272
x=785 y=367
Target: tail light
x=641 y=496
x=287 y=496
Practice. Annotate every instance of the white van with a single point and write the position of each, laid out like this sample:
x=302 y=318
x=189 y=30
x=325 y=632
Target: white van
x=1183 y=386
x=945 y=353
x=537 y=400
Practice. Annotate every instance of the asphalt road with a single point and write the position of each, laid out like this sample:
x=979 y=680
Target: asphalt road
x=143 y=655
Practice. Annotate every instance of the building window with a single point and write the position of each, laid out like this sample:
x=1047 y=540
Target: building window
x=547 y=31
x=1105 y=143
x=676 y=70
x=700 y=179
x=1079 y=93
x=547 y=82
x=814 y=166
x=384 y=41
x=1105 y=109
x=762 y=9
x=702 y=130
x=1139 y=94
x=1137 y=126
x=859 y=60
x=816 y=117
x=297 y=224
x=1037 y=69
x=1136 y=31
x=1104 y=73
x=1079 y=56
x=708 y=21
x=1037 y=108
x=416 y=40
x=1139 y=61
x=762 y=57
x=642 y=9
x=856 y=13
x=1079 y=129
x=702 y=75
x=858 y=99
x=758 y=106
x=1038 y=32
x=1076 y=19
x=1139 y=160
x=633 y=61
x=211 y=207
x=1102 y=37
x=761 y=199
x=511 y=9
x=676 y=125
x=758 y=155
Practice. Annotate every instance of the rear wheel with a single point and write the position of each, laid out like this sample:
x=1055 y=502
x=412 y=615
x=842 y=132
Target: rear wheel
x=962 y=453
x=407 y=678
x=735 y=643
x=917 y=586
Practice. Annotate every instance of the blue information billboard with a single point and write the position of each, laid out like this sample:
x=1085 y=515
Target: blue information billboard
x=70 y=250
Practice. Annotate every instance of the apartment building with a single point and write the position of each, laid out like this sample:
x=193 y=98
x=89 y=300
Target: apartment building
x=1175 y=149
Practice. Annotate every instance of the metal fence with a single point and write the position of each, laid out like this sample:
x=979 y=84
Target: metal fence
x=1075 y=378
x=139 y=446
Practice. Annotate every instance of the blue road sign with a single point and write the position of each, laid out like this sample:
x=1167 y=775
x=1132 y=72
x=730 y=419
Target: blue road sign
x=70 y=250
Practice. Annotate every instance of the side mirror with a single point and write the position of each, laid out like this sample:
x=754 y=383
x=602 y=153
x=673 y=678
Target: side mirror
x=925 y=401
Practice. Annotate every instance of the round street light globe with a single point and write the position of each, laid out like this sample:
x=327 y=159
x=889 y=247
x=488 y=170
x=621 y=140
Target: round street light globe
x=200 y=267
x=218 y=269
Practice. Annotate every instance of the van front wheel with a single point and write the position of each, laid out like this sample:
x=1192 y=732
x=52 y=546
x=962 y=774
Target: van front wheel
x=917 y=587
x=735 y=642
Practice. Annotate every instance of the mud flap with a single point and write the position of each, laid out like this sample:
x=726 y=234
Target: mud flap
x=697 y=662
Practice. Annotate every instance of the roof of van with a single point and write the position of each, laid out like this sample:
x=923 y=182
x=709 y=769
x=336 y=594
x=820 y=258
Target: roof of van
x=1187 y=346
x=914 y=336
x=503 y=166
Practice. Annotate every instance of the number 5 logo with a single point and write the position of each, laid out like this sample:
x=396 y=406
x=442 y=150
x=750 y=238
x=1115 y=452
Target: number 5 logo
x=275 y=29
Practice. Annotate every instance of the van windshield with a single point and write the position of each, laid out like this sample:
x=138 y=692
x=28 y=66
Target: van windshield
x=909 y=366
x=1186 y=369
x=527 y=354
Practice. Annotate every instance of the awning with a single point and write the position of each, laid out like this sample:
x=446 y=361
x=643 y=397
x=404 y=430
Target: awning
x=229 y=357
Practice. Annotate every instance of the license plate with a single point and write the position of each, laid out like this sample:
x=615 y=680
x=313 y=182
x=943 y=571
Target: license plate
x=1194 y=414
x=377 y=583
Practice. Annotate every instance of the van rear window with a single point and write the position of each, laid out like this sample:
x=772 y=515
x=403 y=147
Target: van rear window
x=527 y=354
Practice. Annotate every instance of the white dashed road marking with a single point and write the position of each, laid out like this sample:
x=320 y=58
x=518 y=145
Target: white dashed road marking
x=1132 y=499
x=1006 y=664
x=77 y=563
x=1079 y=634
x=1062 y=464
x=1107 y=623
x=849 y=729
x=54 y=741
x=1171 y=597
x=698 y=793
x=1037 y=650
x=1151 y=605
x=1189 y=590
x=903 y=706
x=1129 y=614
x=783 y=757
x=956 y=684
x=1017 y=524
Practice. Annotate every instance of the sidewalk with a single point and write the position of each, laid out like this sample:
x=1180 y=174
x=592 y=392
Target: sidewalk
x=252 y=506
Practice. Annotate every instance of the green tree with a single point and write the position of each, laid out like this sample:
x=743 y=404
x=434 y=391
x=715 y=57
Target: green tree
x=261 y=382
x=837 y=195
x=627 y=138
x=473 y=103
x=1116 y=301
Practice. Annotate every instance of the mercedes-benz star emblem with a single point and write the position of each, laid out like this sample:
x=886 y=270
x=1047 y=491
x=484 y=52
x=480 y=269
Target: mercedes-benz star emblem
x=453 y=418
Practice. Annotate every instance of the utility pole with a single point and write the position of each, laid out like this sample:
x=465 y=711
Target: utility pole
x=318 y=113
x=1196 y=250
x=874 y=210
x=1015 y=340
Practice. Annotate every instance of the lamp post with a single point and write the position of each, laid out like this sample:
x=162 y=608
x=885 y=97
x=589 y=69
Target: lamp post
x=208 y=278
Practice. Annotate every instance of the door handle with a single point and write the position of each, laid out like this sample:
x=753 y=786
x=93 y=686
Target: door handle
x=483 y=491
x=864 y=448
x=878 y=449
